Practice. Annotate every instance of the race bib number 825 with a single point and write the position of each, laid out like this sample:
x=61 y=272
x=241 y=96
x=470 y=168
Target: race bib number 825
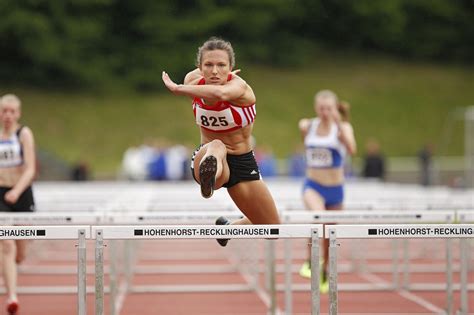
x=215 y=120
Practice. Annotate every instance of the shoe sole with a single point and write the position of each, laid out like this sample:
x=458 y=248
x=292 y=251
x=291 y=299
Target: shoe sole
x=12 y=308
x=222 y=221
x=207 y=176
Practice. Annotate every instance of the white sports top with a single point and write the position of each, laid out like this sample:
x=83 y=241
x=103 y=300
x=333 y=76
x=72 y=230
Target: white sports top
x=323 y=151
x=11 y=151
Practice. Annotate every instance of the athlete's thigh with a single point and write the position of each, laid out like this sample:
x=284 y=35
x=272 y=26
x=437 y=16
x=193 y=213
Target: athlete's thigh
x=313 y=200
x=255 y=201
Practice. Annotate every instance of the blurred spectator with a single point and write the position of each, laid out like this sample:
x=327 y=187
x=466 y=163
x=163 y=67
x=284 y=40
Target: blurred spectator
x=426 y=165
x=374 y=161
x=266 y=161
x=169 y=163
x=80 y=172
x=136 y=161
x=156 y=160
x=157 y=166
x=177 y=162
x=297 y=163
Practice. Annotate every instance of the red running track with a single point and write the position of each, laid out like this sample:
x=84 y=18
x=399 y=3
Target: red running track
x=187 y=261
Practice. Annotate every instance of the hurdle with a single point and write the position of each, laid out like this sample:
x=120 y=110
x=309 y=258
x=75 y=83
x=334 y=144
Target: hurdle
x=79 y=233
x=49 y=219
x=137 y=232
x=361 y=217
x=161 y=218
x=371 y=217
x=415 y=231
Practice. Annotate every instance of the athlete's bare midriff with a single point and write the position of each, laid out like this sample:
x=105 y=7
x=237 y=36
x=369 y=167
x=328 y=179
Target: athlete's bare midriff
x=9 y=176
x=326 y=176
x=237 y=142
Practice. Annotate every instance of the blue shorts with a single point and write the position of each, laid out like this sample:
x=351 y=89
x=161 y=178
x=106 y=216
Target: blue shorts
x=332 y=195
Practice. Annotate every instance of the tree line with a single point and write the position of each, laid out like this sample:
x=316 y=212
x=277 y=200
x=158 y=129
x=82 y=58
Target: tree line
x=87 y=43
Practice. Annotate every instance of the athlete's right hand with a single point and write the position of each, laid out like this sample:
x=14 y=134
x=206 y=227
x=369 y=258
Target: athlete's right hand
x=169 y=83
x=11 y=196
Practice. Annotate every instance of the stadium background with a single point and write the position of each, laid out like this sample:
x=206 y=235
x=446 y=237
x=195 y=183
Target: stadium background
x=88 y=73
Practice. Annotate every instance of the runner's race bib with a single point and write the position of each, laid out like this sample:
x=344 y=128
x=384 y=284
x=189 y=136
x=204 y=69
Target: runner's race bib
x=215 y=120
x=319 y=157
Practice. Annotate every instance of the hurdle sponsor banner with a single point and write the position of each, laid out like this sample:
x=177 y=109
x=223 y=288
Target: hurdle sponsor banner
x=169 y=217
x=465 y=216
x=53 y=218
x=403 y=231
x=207 y=231
x=42 y=232
x=372 y=216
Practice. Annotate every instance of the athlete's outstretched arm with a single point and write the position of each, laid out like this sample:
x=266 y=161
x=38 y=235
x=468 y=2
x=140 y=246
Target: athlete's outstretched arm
x=235 y=90
x=346 y=135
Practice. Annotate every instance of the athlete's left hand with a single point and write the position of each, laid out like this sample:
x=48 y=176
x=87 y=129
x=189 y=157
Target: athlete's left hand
x=168 y=82
x=11 y=196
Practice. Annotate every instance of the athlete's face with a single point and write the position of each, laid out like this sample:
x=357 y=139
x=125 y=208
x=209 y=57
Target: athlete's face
x=9 y=113
x=215 y=66
x=325 y=107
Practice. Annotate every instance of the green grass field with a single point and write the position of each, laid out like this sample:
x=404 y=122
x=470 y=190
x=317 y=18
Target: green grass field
x=402 y=104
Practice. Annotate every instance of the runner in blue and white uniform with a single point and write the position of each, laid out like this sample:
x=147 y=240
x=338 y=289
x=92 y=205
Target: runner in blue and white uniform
x=328 y=138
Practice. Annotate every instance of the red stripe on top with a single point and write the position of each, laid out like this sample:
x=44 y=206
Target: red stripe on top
x=253 y=111
x=246 y=116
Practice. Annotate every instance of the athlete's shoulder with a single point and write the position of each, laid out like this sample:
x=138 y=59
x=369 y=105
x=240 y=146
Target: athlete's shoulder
x=193 y=77
x=25 y=133
x=345 y=125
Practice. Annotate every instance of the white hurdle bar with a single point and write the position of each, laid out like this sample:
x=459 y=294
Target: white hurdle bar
x=465 y=216
x=367 y=216
x=170 y=217
x=313 y=231
x=52 y=218
x=80 y=233
x=403 y=231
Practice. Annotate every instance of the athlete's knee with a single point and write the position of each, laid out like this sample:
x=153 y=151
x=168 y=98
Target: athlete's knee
x=217 y=144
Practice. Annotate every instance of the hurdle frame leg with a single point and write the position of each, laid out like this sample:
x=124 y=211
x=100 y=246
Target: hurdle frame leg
x=99 y=273
x=271 y=277
x=81 y=273
x=315 y=294
x=464 y=276
x=113 y=276
x=395 y=265
x=288 y=278
x=449 y=276
x=332 y=272
x=129 y=254
x=406 y=264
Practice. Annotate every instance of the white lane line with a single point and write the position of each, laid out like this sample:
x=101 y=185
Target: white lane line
x=405 y=294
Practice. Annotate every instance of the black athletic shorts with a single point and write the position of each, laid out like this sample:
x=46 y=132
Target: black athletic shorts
x=242 y=168
x=25 y=202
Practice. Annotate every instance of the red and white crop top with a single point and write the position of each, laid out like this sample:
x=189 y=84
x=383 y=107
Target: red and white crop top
x=222 y=116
